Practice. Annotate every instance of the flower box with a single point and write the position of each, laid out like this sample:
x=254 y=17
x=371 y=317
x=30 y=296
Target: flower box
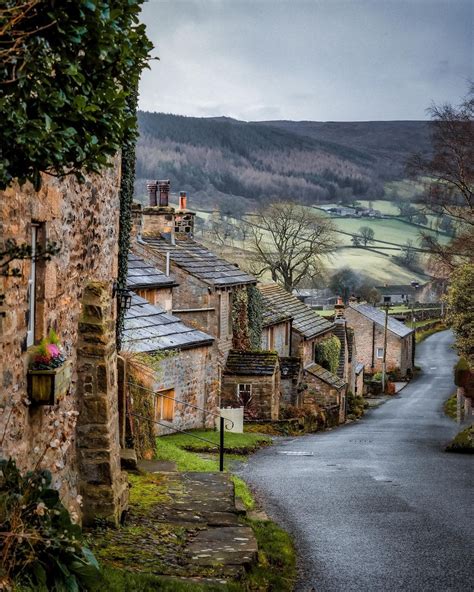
x=47 y=387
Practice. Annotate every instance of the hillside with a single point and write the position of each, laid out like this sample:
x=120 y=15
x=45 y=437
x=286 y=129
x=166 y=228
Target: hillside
x=388 y=142
x=214 y=158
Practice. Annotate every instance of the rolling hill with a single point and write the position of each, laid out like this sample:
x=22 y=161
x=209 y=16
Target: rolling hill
x=217 y=159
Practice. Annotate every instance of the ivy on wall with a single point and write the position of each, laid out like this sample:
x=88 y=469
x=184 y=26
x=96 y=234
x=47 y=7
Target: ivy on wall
x=126 y=199
x=66 y=71
x=255 y=316
x=240 y=321
x=326 y=353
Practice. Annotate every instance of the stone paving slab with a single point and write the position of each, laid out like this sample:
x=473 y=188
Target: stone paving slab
x=226 y=546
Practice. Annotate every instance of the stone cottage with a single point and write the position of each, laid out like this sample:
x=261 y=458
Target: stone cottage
x=252 y=380
x=308 y=329
x=368 y=323
x=75 y=426
x=184 y=389
x=206 y=283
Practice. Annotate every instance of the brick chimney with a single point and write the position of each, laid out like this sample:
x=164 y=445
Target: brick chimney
x=152 y=188
x=159 y=216
x=184 y=219
x=339 y=308
x=164 y=188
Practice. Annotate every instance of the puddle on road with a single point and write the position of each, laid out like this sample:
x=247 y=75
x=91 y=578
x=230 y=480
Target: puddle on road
x=295 y=453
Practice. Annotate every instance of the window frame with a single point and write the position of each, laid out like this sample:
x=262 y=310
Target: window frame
x=377 y=350
x=161 y=397
x=31 y=290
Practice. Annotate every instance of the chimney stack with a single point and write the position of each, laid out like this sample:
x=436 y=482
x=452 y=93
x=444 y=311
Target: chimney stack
x=152 y=187
x=339 y=308
x=164 y=187
x=183 y=198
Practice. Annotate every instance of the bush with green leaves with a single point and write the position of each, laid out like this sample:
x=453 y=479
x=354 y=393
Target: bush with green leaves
x=40 y=546
x=67 y=70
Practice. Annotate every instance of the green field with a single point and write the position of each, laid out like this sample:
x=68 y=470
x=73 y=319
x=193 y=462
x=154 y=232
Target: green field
x=381 y=268
x=380 y=265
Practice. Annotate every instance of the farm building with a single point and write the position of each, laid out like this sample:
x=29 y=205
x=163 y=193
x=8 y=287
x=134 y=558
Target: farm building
x=396 y=294
x=368 y=324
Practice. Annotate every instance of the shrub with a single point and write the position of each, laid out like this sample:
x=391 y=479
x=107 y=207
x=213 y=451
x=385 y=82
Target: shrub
x=40 y=545
x=68 y=70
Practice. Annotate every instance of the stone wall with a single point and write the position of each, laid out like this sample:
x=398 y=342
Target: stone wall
x=83 y=220
x=265 y=402
x=277 y=338
x=304 y=348
x=192 y=376
x=103 y=487
x=162 y=297
x=369 y=337
x=320 y=395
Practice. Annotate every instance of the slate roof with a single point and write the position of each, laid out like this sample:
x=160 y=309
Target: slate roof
x=377 y=315
x=326 y=376
x=143 y=274
x=149 y=328
x=305 y=320
x=200 y=262
x=250 y=363
x=272 y=316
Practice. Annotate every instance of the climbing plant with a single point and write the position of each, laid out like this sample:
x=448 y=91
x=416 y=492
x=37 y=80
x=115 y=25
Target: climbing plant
x=327 y=352
x=255 y=314
x=66 y=71
x=240 y=321
x=126 y=198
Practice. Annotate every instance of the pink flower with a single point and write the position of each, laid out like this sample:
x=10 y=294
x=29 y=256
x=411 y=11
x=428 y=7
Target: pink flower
x=53 y=350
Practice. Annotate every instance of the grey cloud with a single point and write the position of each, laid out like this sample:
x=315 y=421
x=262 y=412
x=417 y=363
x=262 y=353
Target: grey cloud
x=320 y=59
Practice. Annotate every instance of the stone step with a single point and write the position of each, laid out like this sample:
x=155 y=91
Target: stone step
x=224 y=546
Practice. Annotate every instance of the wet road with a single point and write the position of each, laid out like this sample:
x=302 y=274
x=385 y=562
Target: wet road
x=379 y=506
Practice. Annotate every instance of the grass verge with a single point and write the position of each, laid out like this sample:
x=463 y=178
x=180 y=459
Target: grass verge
x=235 y=443
x=463 y=442
x=422 y=335
x=450 y=406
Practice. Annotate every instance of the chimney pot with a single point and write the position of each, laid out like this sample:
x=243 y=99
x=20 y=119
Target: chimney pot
x=164 y=187
x=183 y=198
x=152 y=188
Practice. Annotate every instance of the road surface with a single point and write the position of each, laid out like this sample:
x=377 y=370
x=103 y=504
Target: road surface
x=379 y=506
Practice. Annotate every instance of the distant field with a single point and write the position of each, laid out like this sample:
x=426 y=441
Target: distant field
x=381 y=268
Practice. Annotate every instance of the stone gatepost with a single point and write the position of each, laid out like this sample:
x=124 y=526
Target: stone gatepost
x=103 y=485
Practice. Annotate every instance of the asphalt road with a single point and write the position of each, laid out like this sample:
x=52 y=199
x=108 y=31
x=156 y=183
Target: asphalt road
x=379 y=506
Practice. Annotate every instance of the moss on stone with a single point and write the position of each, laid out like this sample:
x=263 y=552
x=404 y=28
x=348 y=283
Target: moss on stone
x=463 y=442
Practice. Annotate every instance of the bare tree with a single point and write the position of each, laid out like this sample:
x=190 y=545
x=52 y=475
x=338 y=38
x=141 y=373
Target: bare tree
x=366 y=235
x=449 y=179
x=288 y=241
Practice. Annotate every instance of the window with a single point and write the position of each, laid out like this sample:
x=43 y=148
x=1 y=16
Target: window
x=31 y=298
x=244 y=393
x=164 y=405
x=380 y=353
x=387 y=298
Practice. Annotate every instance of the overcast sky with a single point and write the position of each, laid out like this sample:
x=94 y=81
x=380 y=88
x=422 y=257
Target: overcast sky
x=337 y=60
